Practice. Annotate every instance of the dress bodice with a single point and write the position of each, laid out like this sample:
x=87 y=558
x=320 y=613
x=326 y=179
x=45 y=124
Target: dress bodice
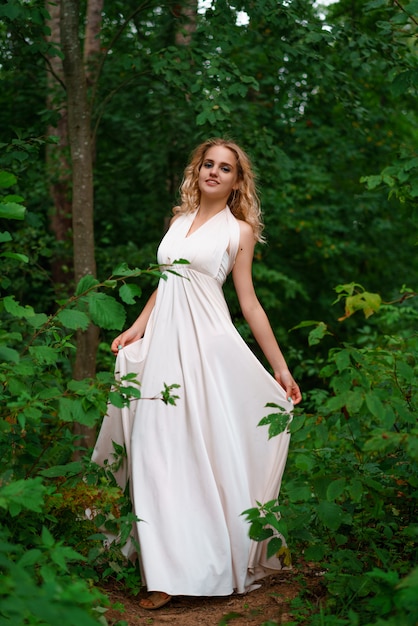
x=210 y=250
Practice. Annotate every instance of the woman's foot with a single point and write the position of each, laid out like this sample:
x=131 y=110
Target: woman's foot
x=155 y=600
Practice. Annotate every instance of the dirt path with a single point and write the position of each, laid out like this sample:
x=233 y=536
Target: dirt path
x=271 y=602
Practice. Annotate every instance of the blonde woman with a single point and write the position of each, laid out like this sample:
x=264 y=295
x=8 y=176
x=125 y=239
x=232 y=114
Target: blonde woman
x=195 y=467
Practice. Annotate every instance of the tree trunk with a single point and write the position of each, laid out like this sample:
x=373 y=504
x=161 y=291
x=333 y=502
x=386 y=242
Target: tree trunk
x=57 y=157
x=92 y=44
x=79 y=129
x=186 y=13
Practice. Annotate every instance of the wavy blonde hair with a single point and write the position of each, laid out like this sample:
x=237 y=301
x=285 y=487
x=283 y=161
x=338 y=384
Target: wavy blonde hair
x=243 y=202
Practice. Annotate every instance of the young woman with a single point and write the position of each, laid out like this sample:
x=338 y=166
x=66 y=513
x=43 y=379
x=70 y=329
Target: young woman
x=195 y=467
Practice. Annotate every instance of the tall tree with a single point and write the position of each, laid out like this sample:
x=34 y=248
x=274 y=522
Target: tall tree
x=79 y=130
x=58 y=168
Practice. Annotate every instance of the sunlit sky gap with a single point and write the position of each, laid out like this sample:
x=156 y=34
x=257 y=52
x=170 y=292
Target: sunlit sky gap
x=242 y=17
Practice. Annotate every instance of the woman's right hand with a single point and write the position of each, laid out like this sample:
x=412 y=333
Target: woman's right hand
x=136 y=331
x=127 y=337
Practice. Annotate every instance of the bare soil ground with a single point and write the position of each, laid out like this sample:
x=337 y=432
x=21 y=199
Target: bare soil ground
x=271 y=602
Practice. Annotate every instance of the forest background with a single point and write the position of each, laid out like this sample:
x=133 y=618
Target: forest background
x=101 y=104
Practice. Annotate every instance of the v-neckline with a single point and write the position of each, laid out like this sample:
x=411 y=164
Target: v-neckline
x=189 y=234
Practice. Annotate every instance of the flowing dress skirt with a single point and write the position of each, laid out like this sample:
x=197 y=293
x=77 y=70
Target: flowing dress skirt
x=196 y=466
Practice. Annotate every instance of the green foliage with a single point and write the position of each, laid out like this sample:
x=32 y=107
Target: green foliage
x=277 y=421
x=58 y=514
x=10 y=208
x=358 y=299
x=321 y=97
x=348 y=501
x=38 y=588
x=401 y=177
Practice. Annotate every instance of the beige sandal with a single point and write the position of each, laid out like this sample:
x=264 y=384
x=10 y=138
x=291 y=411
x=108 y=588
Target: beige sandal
x=155 y=600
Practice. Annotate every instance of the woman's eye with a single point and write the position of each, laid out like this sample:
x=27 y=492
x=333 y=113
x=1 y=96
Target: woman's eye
x=209 y=164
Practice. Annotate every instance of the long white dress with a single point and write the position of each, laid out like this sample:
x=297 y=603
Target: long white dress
x=195 y=467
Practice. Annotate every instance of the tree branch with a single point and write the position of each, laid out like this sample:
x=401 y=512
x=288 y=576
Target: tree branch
x=404 y=10
x=116 y=36
x=107 y=99
x=46 y=59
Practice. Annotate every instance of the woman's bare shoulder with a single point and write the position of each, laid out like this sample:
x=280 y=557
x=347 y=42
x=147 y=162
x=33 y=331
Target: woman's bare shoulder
x=246 y=231
x=174 y=218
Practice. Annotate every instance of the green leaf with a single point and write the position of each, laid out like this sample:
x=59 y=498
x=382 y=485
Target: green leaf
x=273 y=520
x=355 y=489
x=273 y=546
x=70 y=469
x=411 y=580
x=297 y=423
x=342 y=359
x=72 y=410
x=9 y=354
x=66 y=408
x=16 y=256
x=5 y=236
x=62 y=554
x=73 y=319
x=258 y=532
x=23 y=494
x=117 y=399
x=414 y=189
x=412 y=8
x=106 y=312
x=128 y=293
x=315 y=553
x=11 y=11
x=375 y=406
x=15 y=309
x=304 y=461
x=341 y=539
x=7 y=179
x=318 y=333
x=354 y=401
x=371 y=181
x=277 y=423
x=12 y=211
x=298 y=491
x=367 y=302
x=124 y=270
x=85 y=284
x=403 y=81
x=44 y=354
x=47 y=539
x=201 y=118
x=335 y=489
x=251 y=514
x=405 y=371
x=38 y=320
x=31 y=557
x=12 y=197
x=331 y=514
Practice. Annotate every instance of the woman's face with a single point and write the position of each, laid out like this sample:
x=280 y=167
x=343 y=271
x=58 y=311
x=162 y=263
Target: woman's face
x=218 y=175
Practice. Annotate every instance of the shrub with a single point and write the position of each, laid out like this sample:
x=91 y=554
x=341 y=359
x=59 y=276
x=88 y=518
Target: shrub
x=348 y=502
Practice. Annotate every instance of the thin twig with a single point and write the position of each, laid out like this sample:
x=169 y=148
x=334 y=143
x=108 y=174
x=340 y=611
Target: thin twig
x=116 y=36
x=415 y=20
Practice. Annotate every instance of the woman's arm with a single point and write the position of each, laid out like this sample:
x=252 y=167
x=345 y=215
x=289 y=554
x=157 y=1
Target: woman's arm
x=255 y=315
x=137 y=329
